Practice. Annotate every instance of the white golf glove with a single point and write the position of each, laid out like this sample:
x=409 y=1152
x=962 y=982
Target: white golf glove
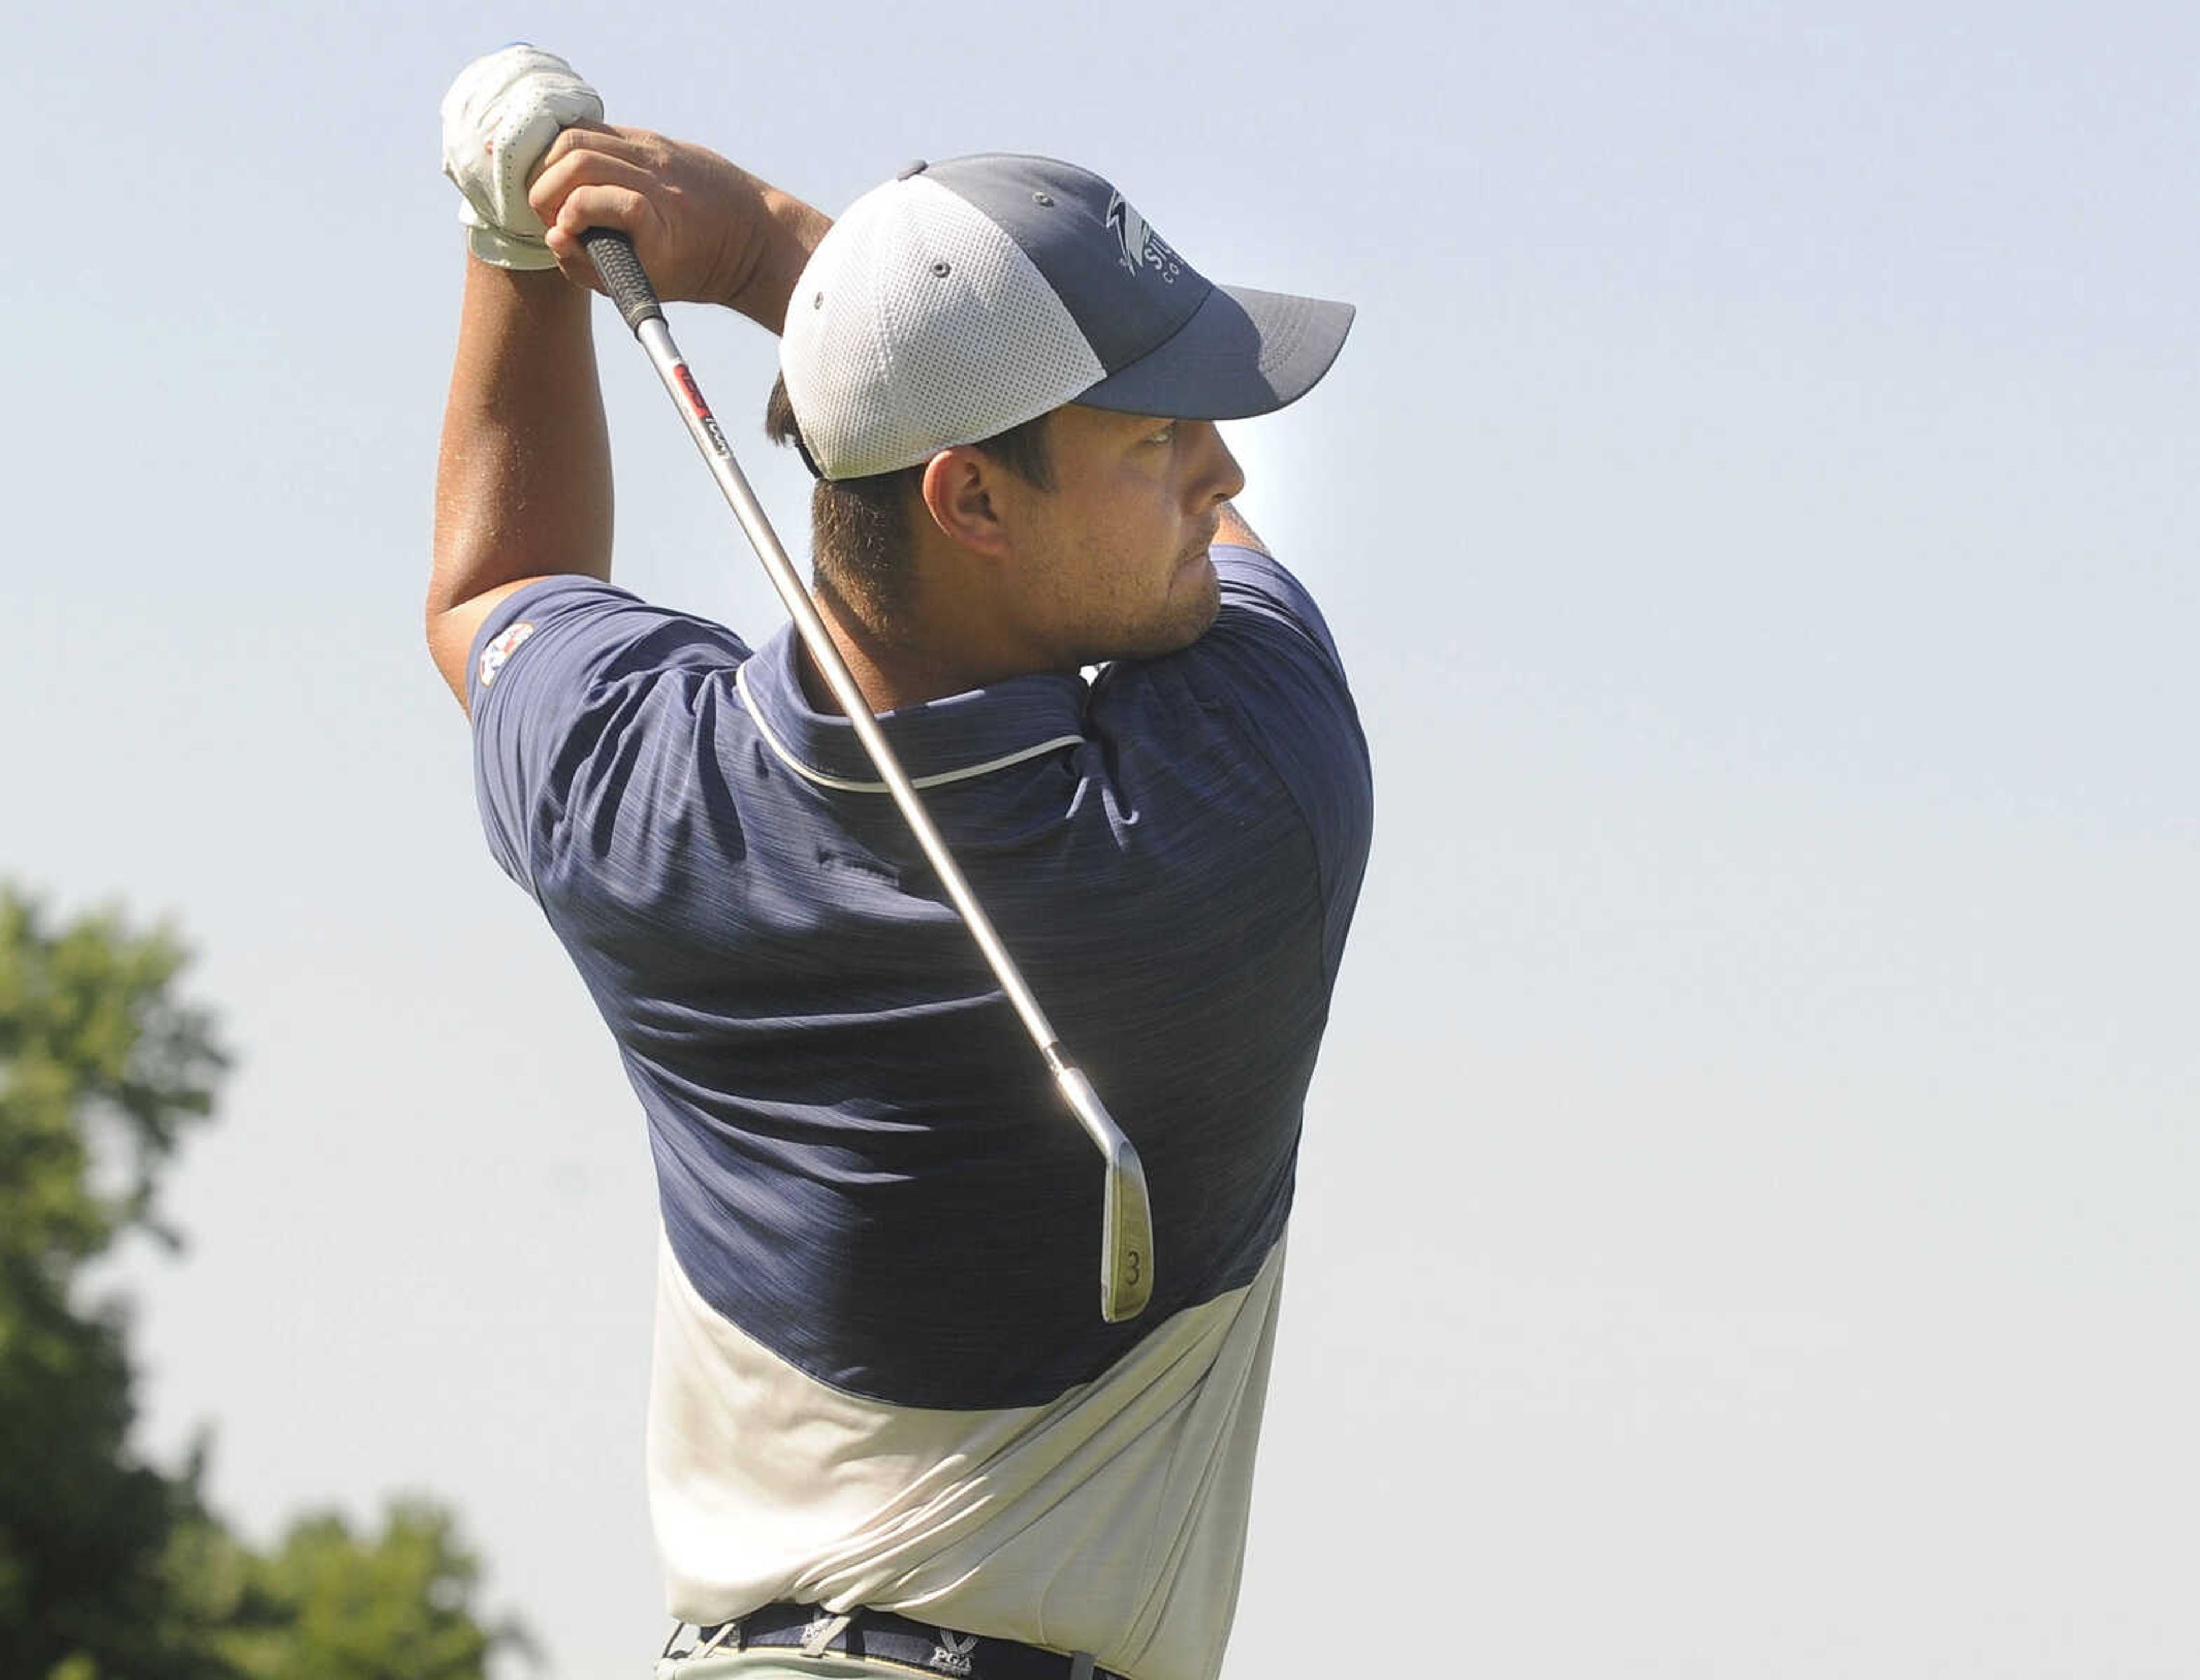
x=499 y=118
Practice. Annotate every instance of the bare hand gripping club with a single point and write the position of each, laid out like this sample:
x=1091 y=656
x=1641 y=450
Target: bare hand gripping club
x=1127 y=1237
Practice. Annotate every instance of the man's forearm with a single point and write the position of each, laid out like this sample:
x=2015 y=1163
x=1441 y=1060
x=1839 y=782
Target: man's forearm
x=524 y=480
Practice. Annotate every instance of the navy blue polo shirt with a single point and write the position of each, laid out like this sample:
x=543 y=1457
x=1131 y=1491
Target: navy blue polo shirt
x=861 y=1163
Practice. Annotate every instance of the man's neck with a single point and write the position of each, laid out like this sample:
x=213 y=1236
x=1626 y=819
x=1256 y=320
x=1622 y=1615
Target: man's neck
x=895 y=669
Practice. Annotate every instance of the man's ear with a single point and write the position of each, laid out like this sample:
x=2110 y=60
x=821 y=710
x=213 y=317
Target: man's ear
x=959 y=491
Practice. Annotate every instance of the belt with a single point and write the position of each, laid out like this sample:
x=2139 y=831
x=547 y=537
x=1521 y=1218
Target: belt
x=878 y=1636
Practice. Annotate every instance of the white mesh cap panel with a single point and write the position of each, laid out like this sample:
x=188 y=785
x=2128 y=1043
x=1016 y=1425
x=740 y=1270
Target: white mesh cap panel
x=888 y=359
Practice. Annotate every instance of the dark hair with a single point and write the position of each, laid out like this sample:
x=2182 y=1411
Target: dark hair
x=859 y=528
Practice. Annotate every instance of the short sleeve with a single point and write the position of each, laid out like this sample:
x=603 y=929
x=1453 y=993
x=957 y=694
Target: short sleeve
x=559 y=676
x=1268 y=675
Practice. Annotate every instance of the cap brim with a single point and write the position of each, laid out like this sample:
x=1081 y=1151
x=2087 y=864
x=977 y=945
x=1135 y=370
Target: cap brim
x=1241 y=352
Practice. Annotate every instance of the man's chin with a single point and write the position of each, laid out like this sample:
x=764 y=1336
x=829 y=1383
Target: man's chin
x=1208 y=597
x=1195 y=600
x=1193 y=607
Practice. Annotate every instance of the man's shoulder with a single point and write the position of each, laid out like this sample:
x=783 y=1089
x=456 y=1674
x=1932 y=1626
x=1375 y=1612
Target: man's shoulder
x=552 y=639
x=1255 y=582
x=1267 y=672
x=1270 y=675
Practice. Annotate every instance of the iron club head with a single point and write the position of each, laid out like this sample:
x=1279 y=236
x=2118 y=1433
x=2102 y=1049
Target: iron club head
x=1127 y=1238
x=1126 y=1220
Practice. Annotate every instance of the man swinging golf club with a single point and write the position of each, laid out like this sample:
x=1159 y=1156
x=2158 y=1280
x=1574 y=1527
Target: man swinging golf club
x=888 y=1429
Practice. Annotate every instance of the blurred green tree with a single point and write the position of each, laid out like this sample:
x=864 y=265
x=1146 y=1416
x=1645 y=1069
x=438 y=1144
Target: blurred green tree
x=336 y=1605
x=111 y=1568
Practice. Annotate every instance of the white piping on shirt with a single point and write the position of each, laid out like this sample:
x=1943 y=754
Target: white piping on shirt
x=844 y=785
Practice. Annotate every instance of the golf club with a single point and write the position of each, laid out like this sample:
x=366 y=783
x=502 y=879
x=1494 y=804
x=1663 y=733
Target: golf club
x=1126 y=1236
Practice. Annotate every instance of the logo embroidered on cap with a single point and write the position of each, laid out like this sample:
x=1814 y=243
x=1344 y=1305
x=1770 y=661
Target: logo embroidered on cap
x=953 y=1656
x=494 y=655
x=1140 y=244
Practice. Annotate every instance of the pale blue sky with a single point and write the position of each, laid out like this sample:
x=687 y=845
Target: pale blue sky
x=1749 y=1223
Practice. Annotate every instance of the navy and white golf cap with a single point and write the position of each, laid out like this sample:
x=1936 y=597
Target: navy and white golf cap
x=962 y=298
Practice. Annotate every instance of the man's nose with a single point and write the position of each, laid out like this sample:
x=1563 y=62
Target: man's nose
x=1224 y=474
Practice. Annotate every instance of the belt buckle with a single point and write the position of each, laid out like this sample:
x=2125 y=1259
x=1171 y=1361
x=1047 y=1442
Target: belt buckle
x=819 y=1633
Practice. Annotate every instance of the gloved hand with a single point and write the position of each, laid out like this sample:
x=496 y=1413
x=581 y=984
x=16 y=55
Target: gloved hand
x=499 y=119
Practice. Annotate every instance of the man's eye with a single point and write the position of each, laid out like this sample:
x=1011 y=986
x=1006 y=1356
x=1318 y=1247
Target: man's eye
x=1167 y=434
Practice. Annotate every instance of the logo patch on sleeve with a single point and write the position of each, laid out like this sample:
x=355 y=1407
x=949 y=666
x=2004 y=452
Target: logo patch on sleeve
x=494 y=655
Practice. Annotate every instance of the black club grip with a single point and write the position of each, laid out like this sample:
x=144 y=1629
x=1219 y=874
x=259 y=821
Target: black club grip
x=612 y=253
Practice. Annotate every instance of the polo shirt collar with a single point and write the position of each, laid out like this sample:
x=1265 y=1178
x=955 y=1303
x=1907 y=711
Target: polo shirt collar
x=949 y=739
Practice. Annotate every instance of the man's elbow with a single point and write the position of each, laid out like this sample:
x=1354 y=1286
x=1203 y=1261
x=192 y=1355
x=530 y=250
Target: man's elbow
x=1233 y=530
x=448 y=643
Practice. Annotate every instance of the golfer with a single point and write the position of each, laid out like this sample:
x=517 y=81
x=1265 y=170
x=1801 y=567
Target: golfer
x=889 y=1430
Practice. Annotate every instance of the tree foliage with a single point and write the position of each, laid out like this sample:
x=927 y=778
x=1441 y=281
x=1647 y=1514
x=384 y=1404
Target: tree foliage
x=334 y=1605
x=110 y=1567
